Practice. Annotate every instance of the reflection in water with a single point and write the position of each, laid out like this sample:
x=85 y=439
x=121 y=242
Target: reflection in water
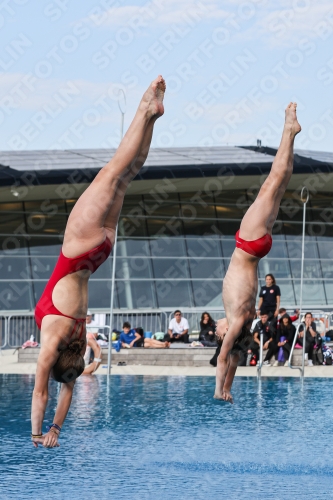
x=86 y=399
x=166 y=437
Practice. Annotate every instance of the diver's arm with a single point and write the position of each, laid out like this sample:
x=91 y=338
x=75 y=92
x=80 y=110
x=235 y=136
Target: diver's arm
x=50 y=439
x=64 y=402
x=47 y=358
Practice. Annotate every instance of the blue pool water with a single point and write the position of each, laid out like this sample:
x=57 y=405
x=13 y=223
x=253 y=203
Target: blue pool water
x=166 y=438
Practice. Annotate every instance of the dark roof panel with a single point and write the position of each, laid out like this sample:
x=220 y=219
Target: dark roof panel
x=96 y=158
x=54 y=167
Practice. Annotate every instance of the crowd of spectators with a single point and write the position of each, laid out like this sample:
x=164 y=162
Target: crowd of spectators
x=272 y=323
x=278 y=336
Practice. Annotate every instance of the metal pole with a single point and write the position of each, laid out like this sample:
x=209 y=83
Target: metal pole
x=112 y=299
x=122 y=125
x=304 y=199
x=122 y=109
x=292 y=351
x=260 y=355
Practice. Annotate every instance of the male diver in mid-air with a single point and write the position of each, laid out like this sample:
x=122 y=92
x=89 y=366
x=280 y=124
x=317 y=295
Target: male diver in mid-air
x=253 y=241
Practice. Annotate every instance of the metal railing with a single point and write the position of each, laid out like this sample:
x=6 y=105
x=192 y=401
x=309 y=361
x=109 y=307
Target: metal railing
x=15 y=329
x=259 y=364
x=3 y=332
x=20 y=328
x=151 y=321
x=301 y=369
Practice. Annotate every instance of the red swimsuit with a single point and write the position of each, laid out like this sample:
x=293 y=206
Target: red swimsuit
x=259 y=248
x=90 y=260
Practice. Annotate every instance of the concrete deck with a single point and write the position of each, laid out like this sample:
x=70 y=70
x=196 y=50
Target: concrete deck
x=9 y=364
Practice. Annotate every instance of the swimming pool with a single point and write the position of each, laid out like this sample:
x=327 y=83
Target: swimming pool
x=165 y=438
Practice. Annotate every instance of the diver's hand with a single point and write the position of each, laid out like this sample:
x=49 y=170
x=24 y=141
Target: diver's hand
x=49 y=440
x=221 y=328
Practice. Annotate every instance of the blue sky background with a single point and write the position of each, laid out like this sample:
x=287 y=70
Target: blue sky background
x=231 y=67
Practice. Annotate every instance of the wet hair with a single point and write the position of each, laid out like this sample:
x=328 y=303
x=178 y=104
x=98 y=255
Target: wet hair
x=243 y=340
x=70 y=363
x=271 y=276
x=210 y=319
x=126 y=324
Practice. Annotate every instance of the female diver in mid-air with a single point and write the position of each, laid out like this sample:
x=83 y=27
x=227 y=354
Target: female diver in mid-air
x=89 y=235
x=253 y=241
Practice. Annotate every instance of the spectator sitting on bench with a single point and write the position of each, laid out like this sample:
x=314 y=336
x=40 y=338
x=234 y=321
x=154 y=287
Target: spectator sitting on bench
x=128 y=336
x=262 y=327
x=131 y=338
x=282 y=339
x=178 y=328
x=310 y=336
x=207 y=330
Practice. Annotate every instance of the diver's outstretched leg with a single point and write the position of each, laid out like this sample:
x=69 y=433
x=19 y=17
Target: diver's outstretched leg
x=233 y=363
x=260 y=217
x=111 y=219
x=87 y=223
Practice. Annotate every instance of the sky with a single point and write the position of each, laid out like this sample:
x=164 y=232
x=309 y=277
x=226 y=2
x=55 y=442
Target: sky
x=231 y=67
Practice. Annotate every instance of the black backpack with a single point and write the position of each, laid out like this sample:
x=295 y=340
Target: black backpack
x=318 y=357
x=329 y=334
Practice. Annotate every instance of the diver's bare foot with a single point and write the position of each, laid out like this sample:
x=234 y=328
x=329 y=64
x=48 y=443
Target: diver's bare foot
x=154 y=98
x=291 y=124
x=226 y=396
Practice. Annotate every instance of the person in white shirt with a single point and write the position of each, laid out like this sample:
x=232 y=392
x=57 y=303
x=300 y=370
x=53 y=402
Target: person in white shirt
x=92 y=326
x=178 y=328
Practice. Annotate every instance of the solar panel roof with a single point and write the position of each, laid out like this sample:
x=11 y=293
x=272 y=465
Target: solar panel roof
x=52 y=167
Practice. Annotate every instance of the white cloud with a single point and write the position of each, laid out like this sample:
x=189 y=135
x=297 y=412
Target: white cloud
x=287 y=22
x=23 y=91
x=157 y=12
x=282 y=23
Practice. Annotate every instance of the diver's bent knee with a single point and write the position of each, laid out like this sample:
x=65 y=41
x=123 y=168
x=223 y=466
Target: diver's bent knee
x=222 y=359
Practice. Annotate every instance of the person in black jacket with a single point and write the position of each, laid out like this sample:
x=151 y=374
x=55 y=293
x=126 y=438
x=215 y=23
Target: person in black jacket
x=283 y=337
x=262 y=327
x=207 y=330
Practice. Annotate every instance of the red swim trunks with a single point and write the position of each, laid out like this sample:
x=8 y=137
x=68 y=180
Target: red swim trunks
x=259 y=248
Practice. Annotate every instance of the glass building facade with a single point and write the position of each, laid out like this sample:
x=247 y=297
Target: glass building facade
x=173 y=251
